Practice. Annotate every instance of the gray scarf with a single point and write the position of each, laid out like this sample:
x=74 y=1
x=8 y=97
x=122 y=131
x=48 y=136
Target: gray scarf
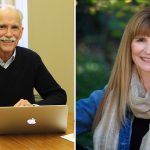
x=106 y=133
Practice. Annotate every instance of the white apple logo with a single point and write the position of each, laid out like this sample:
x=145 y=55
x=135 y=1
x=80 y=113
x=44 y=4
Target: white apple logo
x=31 y=121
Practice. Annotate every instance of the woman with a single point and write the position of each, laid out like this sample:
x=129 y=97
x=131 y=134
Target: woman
x=120 y=114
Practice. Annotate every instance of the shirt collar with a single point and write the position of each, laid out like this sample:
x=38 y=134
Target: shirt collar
x=9 y=61
x=13 y=56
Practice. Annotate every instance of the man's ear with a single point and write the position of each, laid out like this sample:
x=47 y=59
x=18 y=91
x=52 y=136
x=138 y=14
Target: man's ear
x=21 y=31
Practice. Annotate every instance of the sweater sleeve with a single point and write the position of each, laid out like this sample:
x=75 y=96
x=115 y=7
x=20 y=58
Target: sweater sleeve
x=86 y=110
x=47 y=87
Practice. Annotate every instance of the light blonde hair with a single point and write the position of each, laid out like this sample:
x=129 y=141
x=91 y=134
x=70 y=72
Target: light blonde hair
x=119 y=82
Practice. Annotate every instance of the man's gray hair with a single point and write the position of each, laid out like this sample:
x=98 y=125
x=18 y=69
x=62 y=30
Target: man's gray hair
x=11 y=7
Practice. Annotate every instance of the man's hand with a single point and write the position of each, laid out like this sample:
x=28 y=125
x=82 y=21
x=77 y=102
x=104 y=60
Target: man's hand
x=23 y=102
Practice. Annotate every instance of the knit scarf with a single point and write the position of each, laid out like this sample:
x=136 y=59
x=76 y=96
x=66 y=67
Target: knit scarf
x=107 y=132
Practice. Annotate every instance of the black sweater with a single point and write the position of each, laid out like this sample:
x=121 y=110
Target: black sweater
x=25 y=73
x=139 y=128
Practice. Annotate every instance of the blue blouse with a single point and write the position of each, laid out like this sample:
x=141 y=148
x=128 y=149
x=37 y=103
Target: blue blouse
x=86 y=111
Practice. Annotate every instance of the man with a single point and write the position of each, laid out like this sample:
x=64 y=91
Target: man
x=21 y=69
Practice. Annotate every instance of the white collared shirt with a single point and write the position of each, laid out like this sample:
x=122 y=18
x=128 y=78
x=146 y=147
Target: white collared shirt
x=9 y=61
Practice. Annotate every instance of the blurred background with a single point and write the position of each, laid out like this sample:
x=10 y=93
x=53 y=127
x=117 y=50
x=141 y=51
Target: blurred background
x=99 y=28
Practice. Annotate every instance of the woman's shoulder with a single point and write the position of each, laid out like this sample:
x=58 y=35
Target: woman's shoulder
x=94 y=98
x=86 y=109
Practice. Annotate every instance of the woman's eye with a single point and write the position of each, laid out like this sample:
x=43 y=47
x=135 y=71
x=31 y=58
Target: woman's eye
x=140 y=40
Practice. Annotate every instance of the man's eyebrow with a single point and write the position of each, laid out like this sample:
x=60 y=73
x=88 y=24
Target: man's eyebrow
x=15 y=25
x=4 y=25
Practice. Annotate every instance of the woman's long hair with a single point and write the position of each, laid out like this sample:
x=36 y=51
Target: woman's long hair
x=119 y=82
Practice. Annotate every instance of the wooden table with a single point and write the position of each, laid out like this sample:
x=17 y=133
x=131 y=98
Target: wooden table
x=38 y=141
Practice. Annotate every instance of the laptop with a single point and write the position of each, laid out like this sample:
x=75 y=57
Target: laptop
x=40 y=119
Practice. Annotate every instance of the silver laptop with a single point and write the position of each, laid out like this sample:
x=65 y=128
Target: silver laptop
x=40 y=119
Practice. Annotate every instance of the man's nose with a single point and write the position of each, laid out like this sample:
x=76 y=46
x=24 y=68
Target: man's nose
x=9 y=32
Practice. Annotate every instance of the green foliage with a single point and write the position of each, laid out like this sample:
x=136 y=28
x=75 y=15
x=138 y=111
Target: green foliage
x=100 y=25
x=110 y=15
x=85 y=140
x=92 y=73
